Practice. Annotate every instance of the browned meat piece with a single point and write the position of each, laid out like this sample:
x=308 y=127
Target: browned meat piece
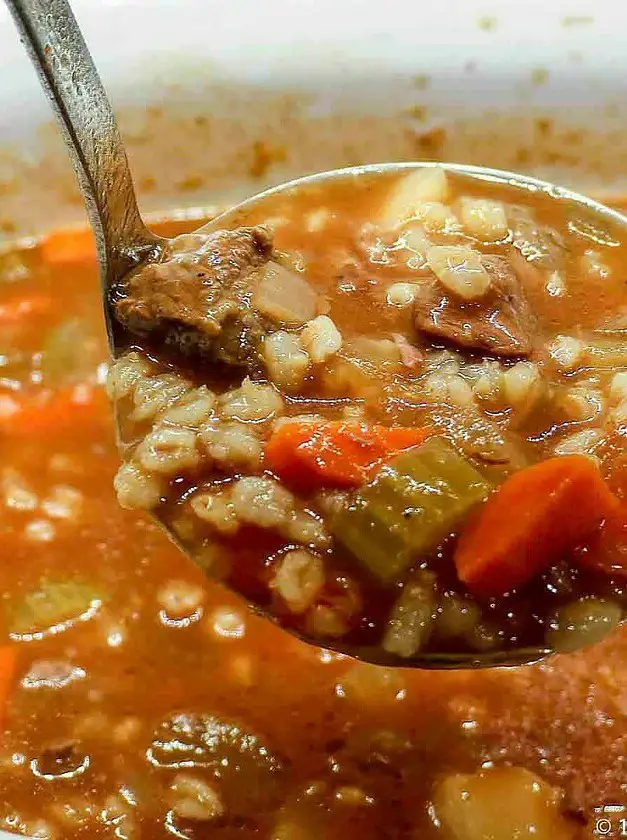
x=500 y=323
x=200 y=301
x=227 y=750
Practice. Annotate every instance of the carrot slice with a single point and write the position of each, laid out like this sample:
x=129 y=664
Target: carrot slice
x=8 y=667
x=534 y=517
x=606 y=549
x=52 y=412
x=335 y=454
x=68 y=246
x=15 y=311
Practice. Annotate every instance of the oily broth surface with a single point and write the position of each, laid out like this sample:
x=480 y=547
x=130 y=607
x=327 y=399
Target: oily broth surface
x=360 y=203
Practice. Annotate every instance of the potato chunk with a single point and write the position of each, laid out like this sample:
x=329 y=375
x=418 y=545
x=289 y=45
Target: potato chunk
x=410 y=192
x=499 y=804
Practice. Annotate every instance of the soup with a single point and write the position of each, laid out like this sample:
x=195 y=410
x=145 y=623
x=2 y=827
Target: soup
x=390 y=413
x=140 y=700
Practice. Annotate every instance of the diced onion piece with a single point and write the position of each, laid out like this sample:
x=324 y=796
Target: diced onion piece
x=321 y=339
x=483 y=218
x=460 y=270
x=537 y=243
x=567 y=352
x=410 y=191
x=284 y=296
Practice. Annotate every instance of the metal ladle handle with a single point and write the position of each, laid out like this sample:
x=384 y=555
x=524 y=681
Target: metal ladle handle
x=55 y=44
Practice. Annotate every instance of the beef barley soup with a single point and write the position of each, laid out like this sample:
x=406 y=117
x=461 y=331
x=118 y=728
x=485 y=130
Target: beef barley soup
x=390 y=413
x=140 y=700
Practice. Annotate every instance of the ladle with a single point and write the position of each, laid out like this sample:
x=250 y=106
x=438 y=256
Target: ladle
x=56 y=47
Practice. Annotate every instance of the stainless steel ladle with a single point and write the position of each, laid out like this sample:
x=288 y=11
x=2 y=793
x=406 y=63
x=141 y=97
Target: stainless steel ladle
x=57 y=49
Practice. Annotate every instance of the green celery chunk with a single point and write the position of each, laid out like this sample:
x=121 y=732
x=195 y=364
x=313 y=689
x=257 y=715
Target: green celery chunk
x=412 y=504
x=54 y=605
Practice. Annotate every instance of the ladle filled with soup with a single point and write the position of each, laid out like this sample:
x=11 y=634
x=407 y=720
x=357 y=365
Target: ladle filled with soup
x=389 y=409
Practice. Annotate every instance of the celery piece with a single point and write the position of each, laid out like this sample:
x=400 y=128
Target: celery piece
x=412 y=504
x=55 y=605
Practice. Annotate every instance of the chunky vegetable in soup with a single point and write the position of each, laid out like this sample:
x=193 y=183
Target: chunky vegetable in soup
x=391 y=413
x=140 y=700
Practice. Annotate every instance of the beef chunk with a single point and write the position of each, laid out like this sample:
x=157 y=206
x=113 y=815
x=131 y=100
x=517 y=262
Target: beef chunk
x=500 y=323
x=200 y=301
x=237 y=757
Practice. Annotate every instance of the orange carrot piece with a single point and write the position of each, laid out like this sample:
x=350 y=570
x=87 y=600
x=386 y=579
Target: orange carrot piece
x=606 y=549
x=52 y=412
x=15 y=311
x=69 y=246
x=535 y=516
x=335 y=454
x=8 y=667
